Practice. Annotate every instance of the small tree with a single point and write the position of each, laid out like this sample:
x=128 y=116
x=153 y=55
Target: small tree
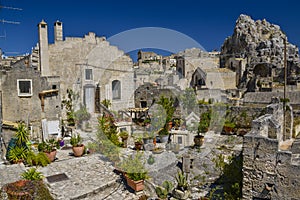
x=169 y=107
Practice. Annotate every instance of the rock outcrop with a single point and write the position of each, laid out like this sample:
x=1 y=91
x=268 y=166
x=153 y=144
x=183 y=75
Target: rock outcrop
x=256 y=50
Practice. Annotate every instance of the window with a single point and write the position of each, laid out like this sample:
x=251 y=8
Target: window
x=179 y=140
x=24 y=87
x=88 y=74
x=116 y=89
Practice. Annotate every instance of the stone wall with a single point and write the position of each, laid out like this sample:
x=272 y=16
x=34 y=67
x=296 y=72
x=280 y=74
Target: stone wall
x=266 y=97
x=70 y=58
x=29 y=108
x=271 y=164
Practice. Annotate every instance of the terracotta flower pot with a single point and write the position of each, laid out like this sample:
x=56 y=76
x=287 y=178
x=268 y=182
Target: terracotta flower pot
x=135 y=185
x=51 y=155
x=22 y=189
x=78 y=150
x=138 y=145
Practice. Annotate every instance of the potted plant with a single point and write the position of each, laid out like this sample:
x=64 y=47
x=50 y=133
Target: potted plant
x=228 y=127
x=49 y=147
x=148 y=137
x=17 y=148
x=29 y=187
x=177 y=123
x=181 y=191
x=37 y=159
x=25 y=188
x=135 y=171
x=17 y=154
x=124 y=136
x=77 y=146
x=202 y=128
x=138 y=143
x=163 y=135
x=164 y=190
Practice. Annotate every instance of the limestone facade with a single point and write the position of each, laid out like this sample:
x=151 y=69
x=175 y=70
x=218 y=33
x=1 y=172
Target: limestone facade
x=28 y=97
x=89 y=62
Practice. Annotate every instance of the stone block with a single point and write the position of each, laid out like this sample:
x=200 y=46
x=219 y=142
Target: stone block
x=296 y=147
x=284 y=158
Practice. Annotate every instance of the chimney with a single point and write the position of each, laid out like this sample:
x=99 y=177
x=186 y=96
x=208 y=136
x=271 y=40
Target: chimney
x=58 y=31
x=43 y=49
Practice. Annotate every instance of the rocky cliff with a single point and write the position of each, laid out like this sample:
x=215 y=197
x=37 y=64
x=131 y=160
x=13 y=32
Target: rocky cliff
x=258 y=46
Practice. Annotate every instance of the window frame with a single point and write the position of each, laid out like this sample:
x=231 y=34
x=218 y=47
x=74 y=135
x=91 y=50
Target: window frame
x=91 y=74
x=30 y=89
x=113 y=89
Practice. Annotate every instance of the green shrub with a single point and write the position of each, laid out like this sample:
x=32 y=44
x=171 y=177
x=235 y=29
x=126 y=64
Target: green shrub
x=39 y=159
x=134 y=167
x=32 y=174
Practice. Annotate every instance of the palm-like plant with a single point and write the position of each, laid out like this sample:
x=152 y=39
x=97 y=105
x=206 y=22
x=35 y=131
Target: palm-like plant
x=32 y=174
x=17 y=154
x=22 y=134
x=181 y=179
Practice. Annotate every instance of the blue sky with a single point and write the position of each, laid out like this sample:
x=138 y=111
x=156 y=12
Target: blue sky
x=207 y=22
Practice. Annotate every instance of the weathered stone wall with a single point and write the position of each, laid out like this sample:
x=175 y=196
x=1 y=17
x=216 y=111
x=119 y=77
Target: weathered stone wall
x=241 y=116
x=266 y=97
x=29 y=109
x=70 y=58
x=270 y=163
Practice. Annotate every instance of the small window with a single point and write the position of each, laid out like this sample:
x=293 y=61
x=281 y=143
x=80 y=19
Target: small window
x=88 y=74
x=24 y=87
x=54 y=87
x=179 y=140
x=116 y=89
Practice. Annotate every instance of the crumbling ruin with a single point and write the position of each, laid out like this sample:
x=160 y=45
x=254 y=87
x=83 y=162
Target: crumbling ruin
x=271 y=156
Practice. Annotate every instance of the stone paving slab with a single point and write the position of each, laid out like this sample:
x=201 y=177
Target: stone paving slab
x=88 y=177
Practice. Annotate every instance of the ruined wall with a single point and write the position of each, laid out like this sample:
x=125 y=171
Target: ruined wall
x=270 y=161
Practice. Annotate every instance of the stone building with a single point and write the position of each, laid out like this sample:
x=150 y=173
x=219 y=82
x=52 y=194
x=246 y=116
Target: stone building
x=90 y=66
x=29 y=97
x=271 y=165
x=33 y=86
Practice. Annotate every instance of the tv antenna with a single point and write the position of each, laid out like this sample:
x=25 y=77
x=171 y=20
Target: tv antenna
x=8 y=21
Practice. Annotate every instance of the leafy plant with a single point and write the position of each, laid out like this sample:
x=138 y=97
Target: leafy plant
x=108 y=128
x=134 y=167
x=22 y=134
x=169 y=107
x=163 y=190
x=17 y=154
x=204 y=122
x=181 y=180
x=106 y=103
x=32 y=174
x=76 y=140
x=37 y=159
x=48 y=146
x=123 y=134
